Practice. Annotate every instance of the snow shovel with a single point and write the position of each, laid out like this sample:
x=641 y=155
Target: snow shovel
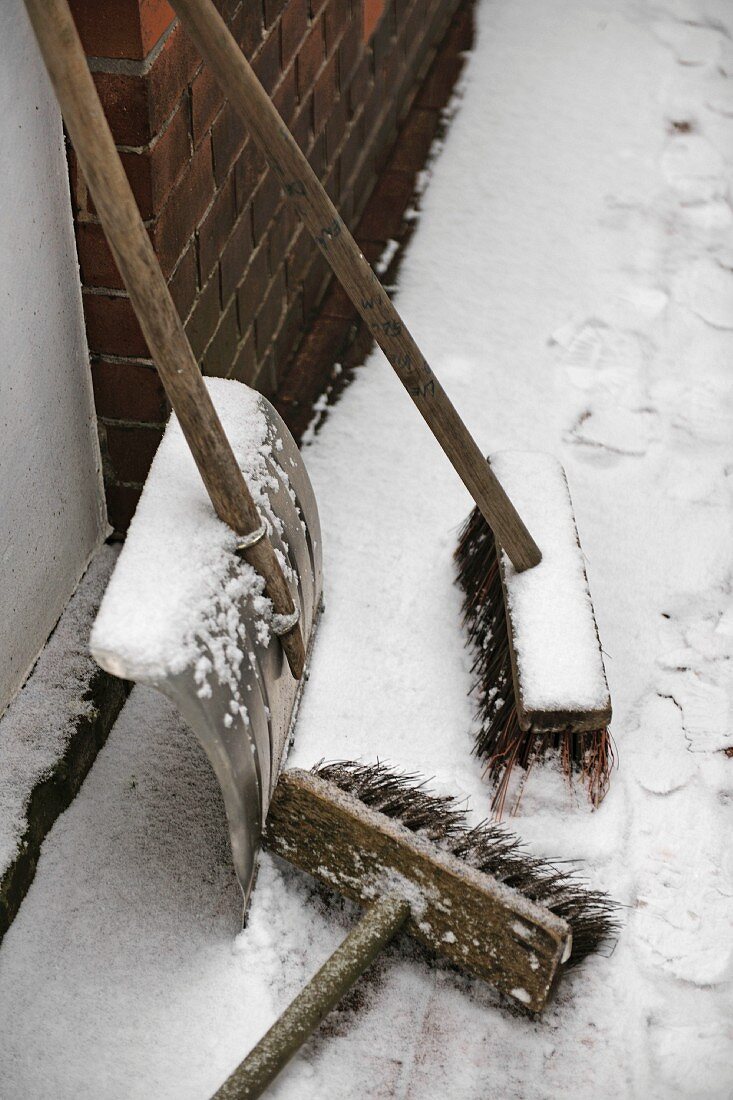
x=215 y=608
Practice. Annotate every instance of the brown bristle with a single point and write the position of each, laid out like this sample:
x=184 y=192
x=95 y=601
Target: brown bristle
x=500 y=741
x=488 y=847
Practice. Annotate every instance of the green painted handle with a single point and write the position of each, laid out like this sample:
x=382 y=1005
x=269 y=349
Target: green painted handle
x=300 y=1019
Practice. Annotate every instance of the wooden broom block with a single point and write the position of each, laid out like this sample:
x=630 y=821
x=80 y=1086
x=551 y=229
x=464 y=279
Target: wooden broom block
x=485 y=928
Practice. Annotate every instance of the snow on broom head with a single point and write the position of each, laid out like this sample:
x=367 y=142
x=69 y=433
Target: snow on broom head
x=538 y=667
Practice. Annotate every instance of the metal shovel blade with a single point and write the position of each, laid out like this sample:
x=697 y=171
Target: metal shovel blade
x=185 y=614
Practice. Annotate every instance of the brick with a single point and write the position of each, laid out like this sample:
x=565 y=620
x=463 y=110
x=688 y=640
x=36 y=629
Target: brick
x=121 y=28
x=349 y=50
x=131 y=449
x=286 y=95
x=269 y=315
x=283 y=230
x=128 y=391
x=336 y=127
x=96 y=264
x=324 y=94
x=317 y=156
x=151 y=172
x=336 y=17
x=374 y=110
x=122 y=500
x=293 y=25
x=414 y=142
x=373 y=11
x=137 y=106
x=236 y=255
x=382 y=38
x=204 y=318
x=310 y=58
x=173 y=69
x=252 y=289
x=244 y=367
x=321 y=348
x=227 y=8
x=358 y=88
x=301 y=128
x=440 y=81
x=125 y=102
x=291 y=331
x=184 y=209
x=273 y=8
x=247 y=27
x=315 y=282
x=299 y=258
x=207 y=100
x=112 y=327
x=266 y=62
x=352 y=150
x=183 y=283
x=308 y=374
x=338 y=304
x=215 y=229
x=265 y=379
x=228 y=136
x=359 y=348
x=331 y=183
x=249 y=171
x=266 y=200
x=220 y=354
x=383 y=217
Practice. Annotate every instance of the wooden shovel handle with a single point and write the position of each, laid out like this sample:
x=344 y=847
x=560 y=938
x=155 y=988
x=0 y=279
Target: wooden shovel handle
x=244 y=91
x=87 y=126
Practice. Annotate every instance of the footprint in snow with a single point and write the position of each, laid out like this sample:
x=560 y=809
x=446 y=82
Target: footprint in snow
x=684 y=889
x=705 y=712
x=694 y=168
x=604 y=361
x=706 y=287
x=615 y=430
x=720 y=99
x=689 y=1046
x=658 y=749
x=690 y=44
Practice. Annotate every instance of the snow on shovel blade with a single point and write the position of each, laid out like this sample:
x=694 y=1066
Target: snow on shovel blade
x=184 y=613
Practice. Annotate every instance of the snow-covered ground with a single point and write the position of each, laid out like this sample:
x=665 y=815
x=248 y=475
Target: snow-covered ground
x=571 y=281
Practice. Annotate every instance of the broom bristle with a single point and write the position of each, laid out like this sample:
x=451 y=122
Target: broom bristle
x=488 y=847
x=500 y=741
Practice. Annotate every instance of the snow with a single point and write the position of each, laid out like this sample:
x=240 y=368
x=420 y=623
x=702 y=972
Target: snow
x=556 y=645
x=178 y=581
x=37 y=727
x=570 y=295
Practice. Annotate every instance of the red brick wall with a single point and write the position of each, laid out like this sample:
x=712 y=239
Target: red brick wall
x=245 y=278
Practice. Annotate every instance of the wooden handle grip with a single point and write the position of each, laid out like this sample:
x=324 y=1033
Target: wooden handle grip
x=381 y=922
x=87 y=126
x=239 y=83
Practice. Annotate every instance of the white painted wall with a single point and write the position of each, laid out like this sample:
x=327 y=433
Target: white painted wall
x=51 y=503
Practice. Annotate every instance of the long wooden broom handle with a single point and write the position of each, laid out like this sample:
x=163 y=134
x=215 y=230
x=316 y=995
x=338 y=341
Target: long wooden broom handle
x=64 y=57
x=244 y=91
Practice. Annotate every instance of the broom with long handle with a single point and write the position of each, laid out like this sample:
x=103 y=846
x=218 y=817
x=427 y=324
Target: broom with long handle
x=239 y=83
x=67 y=66
x=522 y=713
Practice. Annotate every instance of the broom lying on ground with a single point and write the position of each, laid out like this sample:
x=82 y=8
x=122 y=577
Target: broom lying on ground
x=473 y=896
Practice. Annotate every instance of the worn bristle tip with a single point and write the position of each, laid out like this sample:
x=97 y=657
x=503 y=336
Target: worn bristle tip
x=488 y=847
x=500 y=741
